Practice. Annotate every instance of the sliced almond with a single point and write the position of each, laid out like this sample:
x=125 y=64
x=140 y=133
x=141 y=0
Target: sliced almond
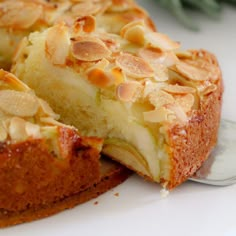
x=134 y=32
x=99 y=78
x=183 y=54
x=128 y=92
x=19 y=15
x=160 y=98
x=85 y=8
x=3 y=133
x=85 y=23
x=17 y=130
x=89 y=49
x=179 y=112
x=134 y=66
x=52 y=122
x=18 y=103
x=209 y=89
x=155 y=57
x=178 y=89
x=57 y=44
x=32 y=130
x=117 y=75
x=158 y=115
x=47 y=109
x=192 y=72
x=186 y=102
x=161 y=41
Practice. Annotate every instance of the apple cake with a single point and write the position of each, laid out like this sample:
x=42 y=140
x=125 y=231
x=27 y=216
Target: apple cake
x=45 y=166
x=156 y=106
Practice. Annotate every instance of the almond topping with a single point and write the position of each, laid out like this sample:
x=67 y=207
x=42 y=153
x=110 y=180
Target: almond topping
x=17 y=130
x=209 y=89
x=161 y=41
x=99 y=78
x=134 y=32
x=47 y=109
x=89 y=49
x=86 y=23
x=128 y=92
x=186 y=102
x=158 y=115
x=160 y=98
x=134 y=66
x=18 y=103
x=154 y=56
x=179 y=113
x=32 y=130
x=57 y=44
x=19 y=15
x=192 y=72
x=178 y=89
x=85 y=8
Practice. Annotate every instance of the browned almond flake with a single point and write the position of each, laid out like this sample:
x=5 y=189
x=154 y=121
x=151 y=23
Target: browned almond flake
x=178 y=89
x=134 y=66
x=185 y=101
x=89 y=49
x=99 y=78
x=19 y=15
x=57 y=44
x=85 y=23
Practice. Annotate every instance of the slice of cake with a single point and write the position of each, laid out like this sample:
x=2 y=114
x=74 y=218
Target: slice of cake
x=20 y=17
x=45 y=166
x=157 y=107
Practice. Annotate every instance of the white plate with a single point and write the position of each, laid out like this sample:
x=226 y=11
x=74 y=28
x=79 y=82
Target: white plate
x=191 y=209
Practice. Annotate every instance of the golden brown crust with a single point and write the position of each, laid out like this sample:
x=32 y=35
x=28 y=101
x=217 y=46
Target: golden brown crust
x=191 y=144
x=112 y=175
x=30 y=175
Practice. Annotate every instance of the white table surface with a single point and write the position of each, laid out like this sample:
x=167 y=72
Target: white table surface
x=191 y=209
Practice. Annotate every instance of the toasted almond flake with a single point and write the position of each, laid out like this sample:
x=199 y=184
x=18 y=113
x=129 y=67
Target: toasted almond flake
x=17 y=130
x=209 y=89
x=89 y=49
x=179 y=112
x=47 y=109
x=12 y=81
x=3 y=133
x=183 y=54
x=57 y=44
x=134 y=66
x=128 y=92
x=192 y=72
x=117 y=75
x=160 y=98
x=52 y=122
x=155 y=57
x=85 y=23
x=134 y=32
x=18 y=103
x=99 y=78
x=161 y=73
x=186 y=102
x=161 y=41
x=158 y=115
x=85 y=8
x=32 y=130
x=178 y=89
x=19 y=15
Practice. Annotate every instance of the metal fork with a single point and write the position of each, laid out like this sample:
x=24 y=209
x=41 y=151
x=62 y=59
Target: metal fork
x=220 y=168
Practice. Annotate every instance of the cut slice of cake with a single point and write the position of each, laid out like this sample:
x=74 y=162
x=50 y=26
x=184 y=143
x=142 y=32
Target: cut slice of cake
x=157 y=107
x=18 y=18
x=45 y=166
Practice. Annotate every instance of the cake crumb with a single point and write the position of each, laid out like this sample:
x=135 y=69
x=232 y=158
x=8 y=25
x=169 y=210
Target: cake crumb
x=95 y=203
x=117 y=194
x=164 y=193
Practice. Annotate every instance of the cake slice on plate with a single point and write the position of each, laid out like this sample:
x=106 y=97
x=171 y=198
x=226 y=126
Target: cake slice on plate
x=45 y=166
x=156 y=106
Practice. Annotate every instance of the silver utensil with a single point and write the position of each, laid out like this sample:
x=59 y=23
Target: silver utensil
x=220 y=168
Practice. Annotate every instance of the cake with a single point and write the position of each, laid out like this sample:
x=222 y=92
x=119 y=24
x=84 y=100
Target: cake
x=156 y=106
x=18 y=18
x=45 y=166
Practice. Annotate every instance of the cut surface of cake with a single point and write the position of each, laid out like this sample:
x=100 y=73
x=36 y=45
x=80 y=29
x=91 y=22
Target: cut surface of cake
x=157 y=106
x=20 y=17
x=45 y=166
